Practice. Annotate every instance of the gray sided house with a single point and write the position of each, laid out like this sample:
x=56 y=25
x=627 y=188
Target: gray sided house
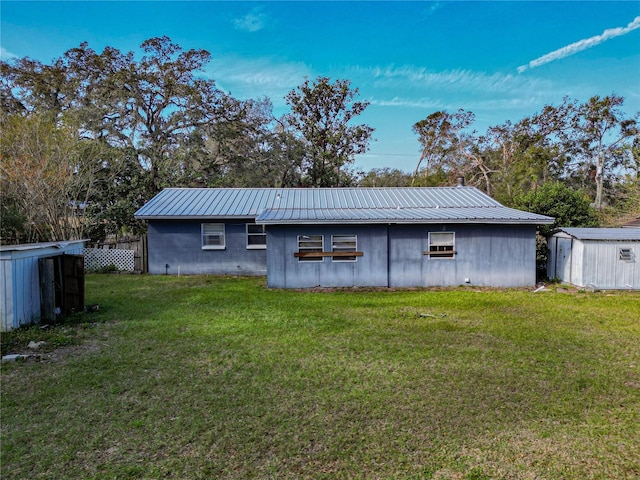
x=343 y=237
x=604 y=258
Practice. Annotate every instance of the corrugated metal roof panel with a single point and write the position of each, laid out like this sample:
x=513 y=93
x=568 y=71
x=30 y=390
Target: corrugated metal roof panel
x=608 y=234
x=332 y=204
x=401 y=215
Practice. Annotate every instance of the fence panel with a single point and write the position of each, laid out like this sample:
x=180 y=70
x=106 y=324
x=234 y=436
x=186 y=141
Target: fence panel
x=97 y=258
x=136 y=244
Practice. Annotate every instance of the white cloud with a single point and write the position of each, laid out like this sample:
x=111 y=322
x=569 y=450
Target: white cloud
x=253 y=78
x=581 y=45
x=253 y=21
x=6 y=55
x=426 y=103
x=456 y=82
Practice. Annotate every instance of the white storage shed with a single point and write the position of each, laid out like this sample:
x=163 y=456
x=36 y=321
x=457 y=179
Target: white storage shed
x=603 y=258
x=27 y=270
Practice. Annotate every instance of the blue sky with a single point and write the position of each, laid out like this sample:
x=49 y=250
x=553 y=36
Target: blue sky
x=501 y=60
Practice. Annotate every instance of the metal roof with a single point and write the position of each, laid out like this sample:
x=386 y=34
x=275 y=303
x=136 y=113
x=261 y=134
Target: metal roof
x=401 y=215
x=608 y=234
x=331 y=205
x=37 y=246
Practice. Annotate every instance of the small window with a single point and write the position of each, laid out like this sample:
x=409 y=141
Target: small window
x=213 y=236
x=256 y=236
x=308 y=245
x=626 y=255
x=344 y=244
x=441 y=245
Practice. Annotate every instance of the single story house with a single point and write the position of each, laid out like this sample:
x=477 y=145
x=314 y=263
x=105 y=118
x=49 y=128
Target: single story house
x=40 y=281
x=341 y=237
x=604 y=258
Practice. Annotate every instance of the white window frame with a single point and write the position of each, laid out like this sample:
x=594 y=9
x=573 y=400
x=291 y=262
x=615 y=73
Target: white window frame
x=304 y=249
x=212 y=230
x=444 y=250
x=262 y=233
x=342 y=238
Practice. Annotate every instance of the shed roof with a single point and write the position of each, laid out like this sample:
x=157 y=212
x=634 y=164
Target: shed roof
x=608 y=234
x=334 y=205
x=38 y=246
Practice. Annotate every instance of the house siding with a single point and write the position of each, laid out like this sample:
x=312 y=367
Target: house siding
x=179 y=244
x=286 y=271
x=487 y=255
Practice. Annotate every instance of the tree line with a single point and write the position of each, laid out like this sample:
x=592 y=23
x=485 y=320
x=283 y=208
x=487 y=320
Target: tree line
x=89 y=138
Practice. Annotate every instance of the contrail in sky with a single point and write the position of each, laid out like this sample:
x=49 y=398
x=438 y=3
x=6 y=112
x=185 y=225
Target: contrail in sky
x=581 y=45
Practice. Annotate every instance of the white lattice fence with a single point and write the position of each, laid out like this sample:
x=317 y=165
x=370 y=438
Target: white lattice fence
x=97 y=258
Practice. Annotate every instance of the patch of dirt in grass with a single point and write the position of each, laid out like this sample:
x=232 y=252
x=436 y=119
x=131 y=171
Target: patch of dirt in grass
x=86 y=341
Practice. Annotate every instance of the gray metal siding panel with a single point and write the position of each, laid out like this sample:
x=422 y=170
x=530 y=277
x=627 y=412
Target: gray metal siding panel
x=487 y=255
x=7 y=306
x=286 y=271
x=179 y=244
x=21 y=282
x=602 y=267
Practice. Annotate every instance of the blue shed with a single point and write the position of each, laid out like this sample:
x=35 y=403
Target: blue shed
x=21 y=277
x=339 y=237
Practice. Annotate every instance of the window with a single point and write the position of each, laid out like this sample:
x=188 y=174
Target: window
x=626 y=255
x=308 y=245
x=344 y=244
x=441 y=245
x=213 y=236
x=256 y=236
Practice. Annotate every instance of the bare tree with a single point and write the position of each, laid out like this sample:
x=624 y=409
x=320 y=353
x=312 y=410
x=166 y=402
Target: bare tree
x=49 y=173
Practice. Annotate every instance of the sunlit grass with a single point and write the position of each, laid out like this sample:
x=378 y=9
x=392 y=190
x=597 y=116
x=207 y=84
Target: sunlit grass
x=214 y=377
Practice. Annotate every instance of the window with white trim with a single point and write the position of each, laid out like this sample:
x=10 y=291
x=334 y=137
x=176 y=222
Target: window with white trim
x=256 y=236
x=441 y=245
x=213 y=236
x=344 y=244
x=309 y=244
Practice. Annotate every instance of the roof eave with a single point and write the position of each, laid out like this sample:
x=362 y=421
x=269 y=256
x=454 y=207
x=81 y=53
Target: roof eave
x=194 y=217
x=480 y=221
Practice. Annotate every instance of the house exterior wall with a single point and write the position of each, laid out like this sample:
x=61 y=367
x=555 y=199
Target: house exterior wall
x=20 y=282
x=286 y=271
x=487 y=255
x=179 y=244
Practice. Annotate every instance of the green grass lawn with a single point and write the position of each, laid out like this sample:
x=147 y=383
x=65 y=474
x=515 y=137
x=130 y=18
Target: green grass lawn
x=214 y=377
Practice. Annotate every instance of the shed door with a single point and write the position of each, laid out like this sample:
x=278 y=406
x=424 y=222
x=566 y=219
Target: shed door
x=61 y=285
x=563 y=259
x=72 y=283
